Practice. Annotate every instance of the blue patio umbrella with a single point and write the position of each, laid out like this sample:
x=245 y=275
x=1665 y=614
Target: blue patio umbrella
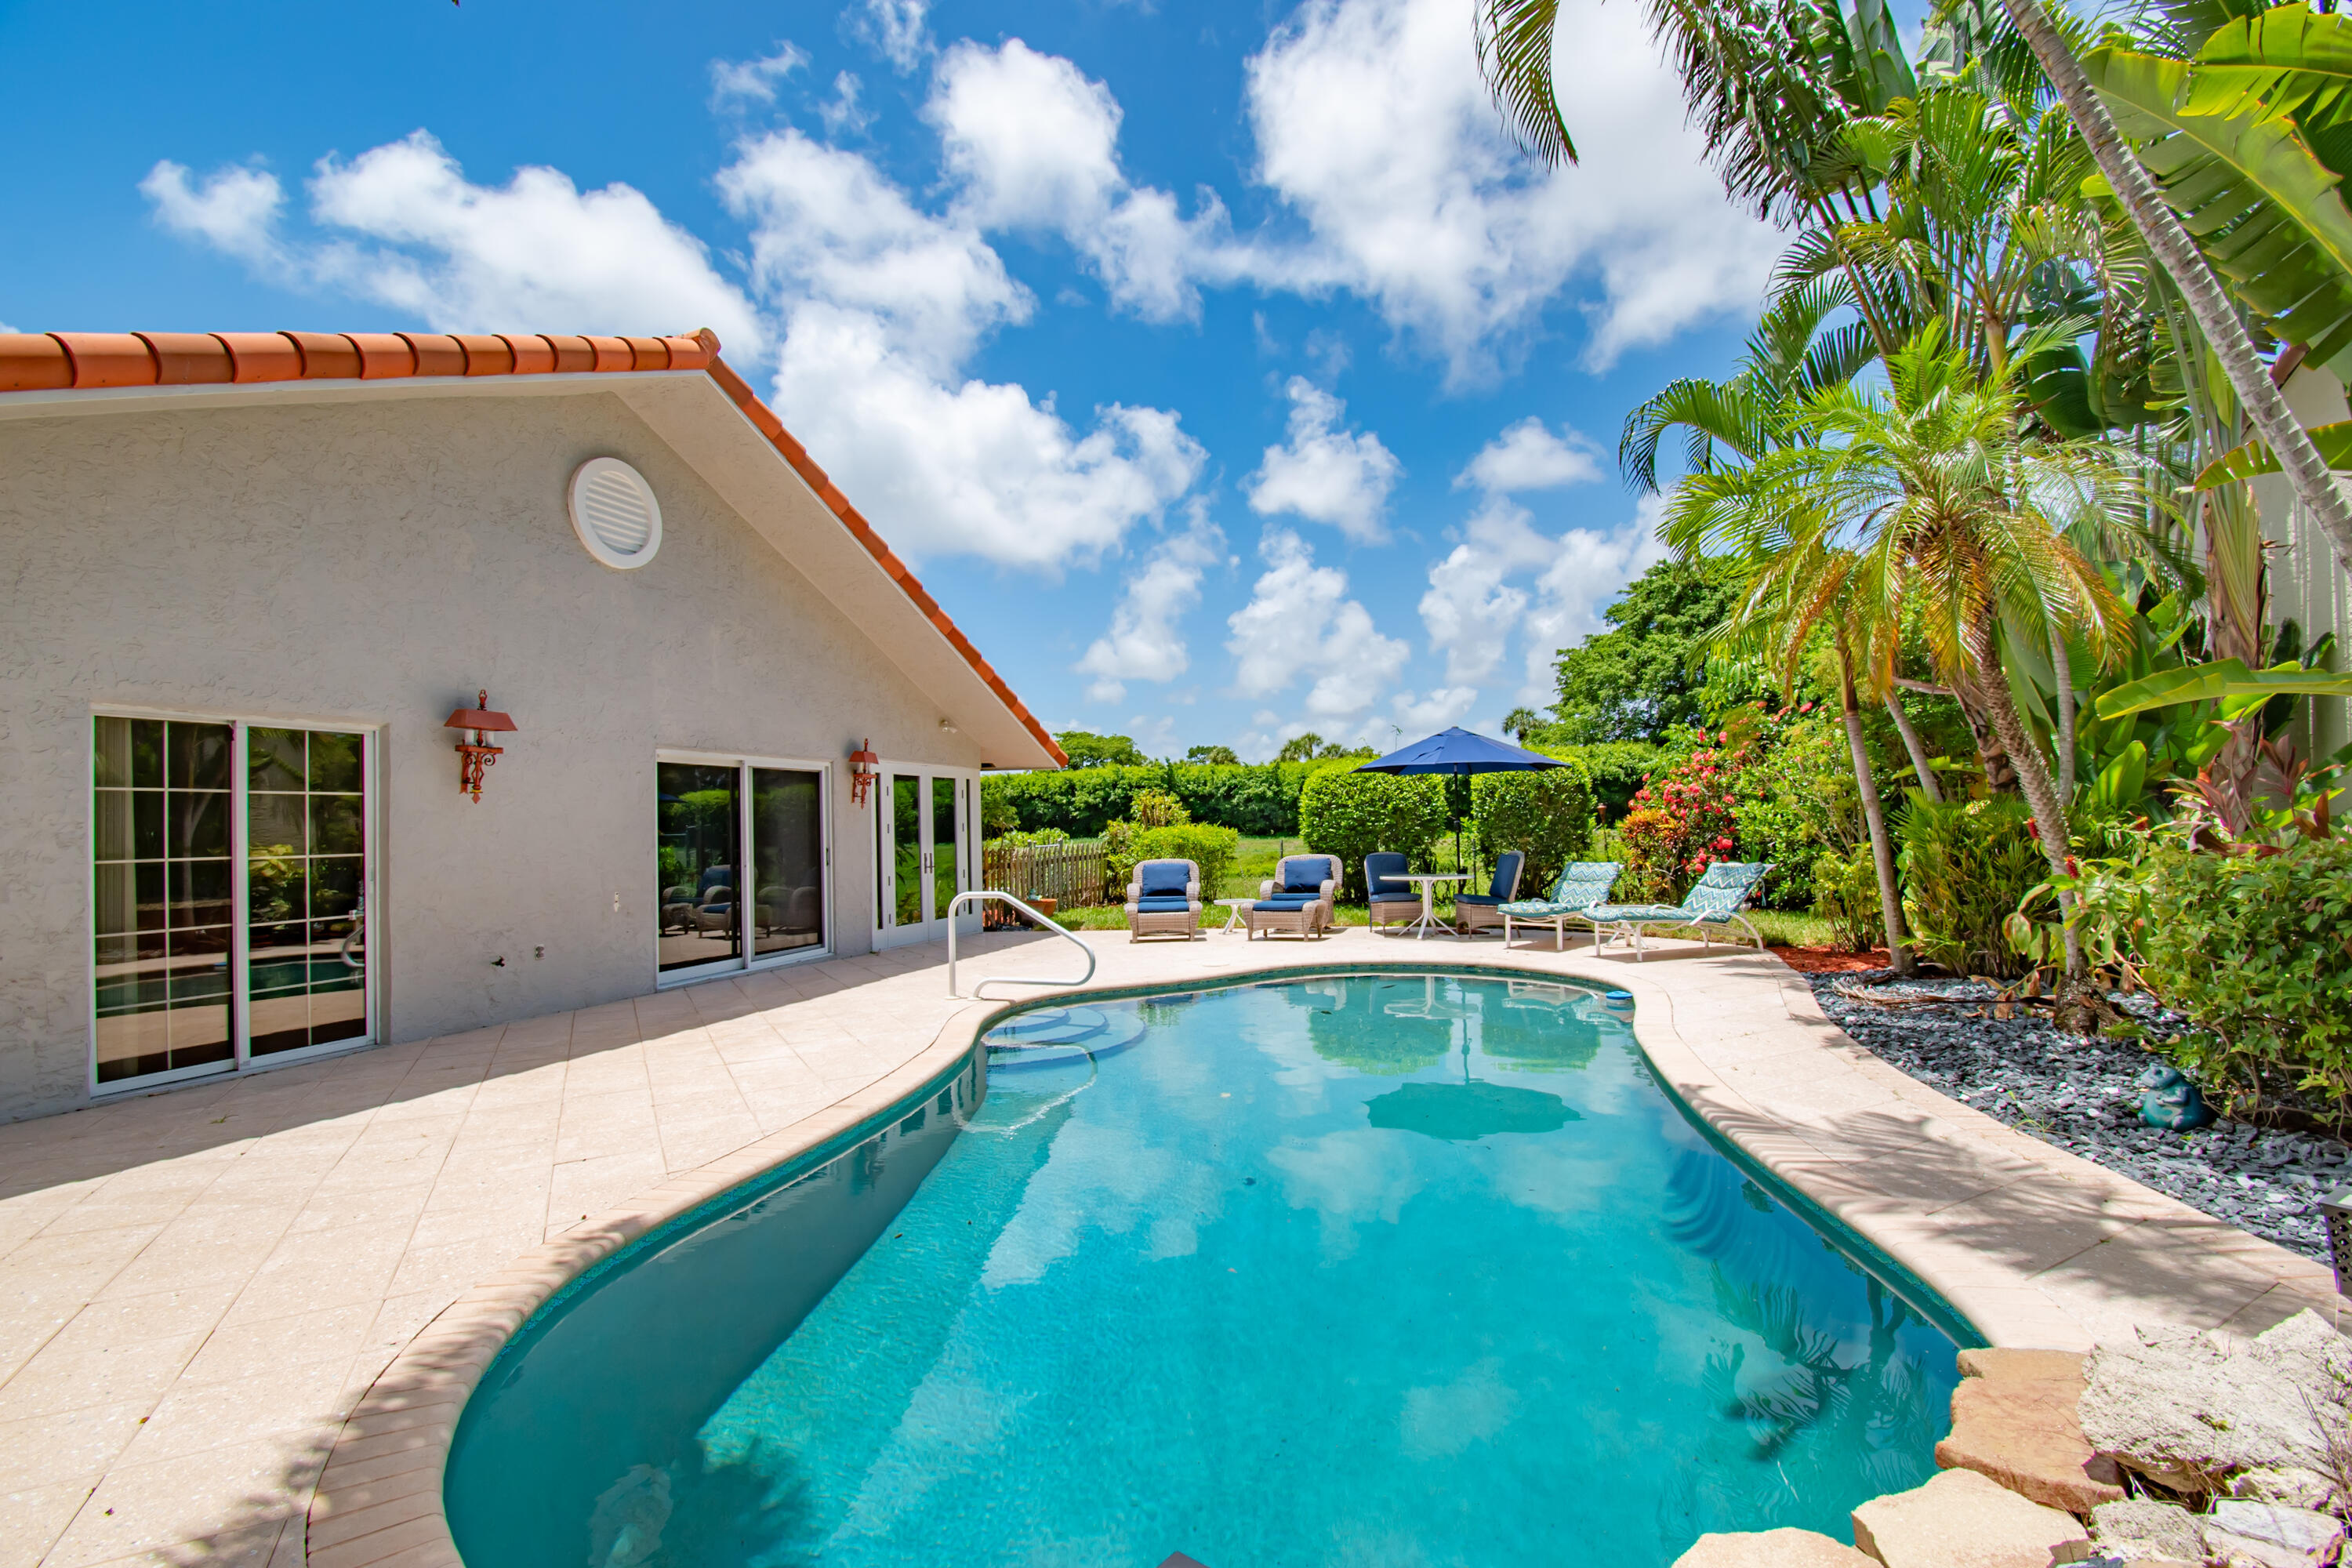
x=1458 y=753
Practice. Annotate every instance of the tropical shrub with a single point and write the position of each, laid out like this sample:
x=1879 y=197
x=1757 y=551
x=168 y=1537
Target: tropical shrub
x=1546 y=815
x=1617 y=768
x=1967 y=865
x=1021 y=841
x=1211 y=849
x=1157 y=808
x=2251 y=948
x=1846 y=894
x=1348 y=813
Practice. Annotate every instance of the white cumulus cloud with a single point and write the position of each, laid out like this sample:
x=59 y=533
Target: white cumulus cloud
x=1145 y=642
x=1299 y=624
x=1324 y=473
x=1033 y=146
x=1373 y=124
x=537 y=253
x=1529 y=457
x=883 y=304
x=234 y=210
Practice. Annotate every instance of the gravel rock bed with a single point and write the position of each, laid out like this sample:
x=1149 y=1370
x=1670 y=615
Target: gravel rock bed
x=2081 y=1095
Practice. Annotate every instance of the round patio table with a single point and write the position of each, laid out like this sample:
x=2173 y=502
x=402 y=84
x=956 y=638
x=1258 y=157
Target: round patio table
x=1233 y=908
x=1428 y=880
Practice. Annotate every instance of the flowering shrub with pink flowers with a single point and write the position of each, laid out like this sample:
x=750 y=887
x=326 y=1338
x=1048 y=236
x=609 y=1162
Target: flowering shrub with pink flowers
x=1684 y=820
x=1759 y=784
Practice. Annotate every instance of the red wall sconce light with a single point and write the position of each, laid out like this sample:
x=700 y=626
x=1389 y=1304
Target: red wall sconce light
x=477 y=755
x=865 y=767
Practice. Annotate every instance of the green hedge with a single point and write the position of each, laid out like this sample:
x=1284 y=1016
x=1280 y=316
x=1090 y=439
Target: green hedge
x=1210 y=847
x=1259 y=800
x=1547 y=817
x=2251 y=949
x=1348 y=813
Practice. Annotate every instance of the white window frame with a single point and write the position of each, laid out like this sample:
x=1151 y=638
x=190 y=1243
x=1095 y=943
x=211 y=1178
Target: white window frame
x=746 y=960
x=241 y=1059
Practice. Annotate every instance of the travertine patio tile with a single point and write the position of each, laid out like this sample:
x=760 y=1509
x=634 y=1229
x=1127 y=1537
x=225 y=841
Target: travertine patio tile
x=251 y=1491
x=254 y=1347
x=63 y=1446
x=33 y=1514
x=198 y=1417
x=75 y=1377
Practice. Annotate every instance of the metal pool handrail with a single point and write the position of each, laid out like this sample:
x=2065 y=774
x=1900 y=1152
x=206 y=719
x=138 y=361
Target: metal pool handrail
x=1046 y=921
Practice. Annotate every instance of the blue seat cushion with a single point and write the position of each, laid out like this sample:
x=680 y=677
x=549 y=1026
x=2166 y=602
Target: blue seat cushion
x=1287 y=901
x=1164 y=879
x=1306 y=876
x=1151 y=904
x=1396 y=896
x=1490 y=900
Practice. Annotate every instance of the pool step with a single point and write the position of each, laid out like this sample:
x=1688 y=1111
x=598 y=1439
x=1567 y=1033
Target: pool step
x=1046 y=1035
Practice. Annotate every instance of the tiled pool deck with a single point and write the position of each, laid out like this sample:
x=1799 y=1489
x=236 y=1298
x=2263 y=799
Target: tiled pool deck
x=205 y=1293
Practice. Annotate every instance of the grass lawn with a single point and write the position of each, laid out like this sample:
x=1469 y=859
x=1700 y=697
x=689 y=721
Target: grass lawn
x=1253 y=862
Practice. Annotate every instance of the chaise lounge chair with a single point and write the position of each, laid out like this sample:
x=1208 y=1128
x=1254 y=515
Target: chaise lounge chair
x=1164 y=900
x=1583 y=885
x=1392 y=902
x=1297 y=898
x=1715 y=899
x=1475 y=912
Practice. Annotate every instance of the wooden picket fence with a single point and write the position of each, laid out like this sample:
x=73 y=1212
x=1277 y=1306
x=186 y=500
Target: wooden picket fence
x=1071 y=873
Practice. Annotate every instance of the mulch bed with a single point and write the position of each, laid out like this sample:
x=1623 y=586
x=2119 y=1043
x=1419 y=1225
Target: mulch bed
x=1829 y=960
x=2079 y=1094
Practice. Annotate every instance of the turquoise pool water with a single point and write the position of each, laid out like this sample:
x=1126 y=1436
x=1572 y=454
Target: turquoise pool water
x=1352 y=1271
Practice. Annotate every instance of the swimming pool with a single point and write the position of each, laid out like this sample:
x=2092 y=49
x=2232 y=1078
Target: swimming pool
x=1349 y=1268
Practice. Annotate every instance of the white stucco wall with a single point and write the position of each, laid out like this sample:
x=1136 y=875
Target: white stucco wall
x=376 y=563
x=2307 y=584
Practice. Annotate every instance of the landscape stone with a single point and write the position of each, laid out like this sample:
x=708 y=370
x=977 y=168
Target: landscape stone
x=2015 y=1422
x=1961 y=1520
x=2272 y=1535
x=2152 y=1529
x=1772 y=1549
x=2208 y=1413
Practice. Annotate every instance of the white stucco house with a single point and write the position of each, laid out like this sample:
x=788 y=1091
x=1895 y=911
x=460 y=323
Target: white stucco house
x=252 y=576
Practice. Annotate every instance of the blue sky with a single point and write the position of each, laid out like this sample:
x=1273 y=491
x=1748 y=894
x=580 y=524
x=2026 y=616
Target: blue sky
x=1221 y=368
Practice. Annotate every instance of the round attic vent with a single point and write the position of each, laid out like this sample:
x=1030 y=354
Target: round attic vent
x=615 y=513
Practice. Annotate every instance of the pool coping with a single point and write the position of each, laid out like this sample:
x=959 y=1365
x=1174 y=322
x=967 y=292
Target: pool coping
x=378 y=1501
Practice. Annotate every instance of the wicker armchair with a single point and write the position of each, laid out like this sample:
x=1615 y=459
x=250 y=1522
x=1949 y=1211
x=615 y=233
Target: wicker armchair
x=1298 y=899
x=1164 y=900
x=1475 y=912
x=1392 y=902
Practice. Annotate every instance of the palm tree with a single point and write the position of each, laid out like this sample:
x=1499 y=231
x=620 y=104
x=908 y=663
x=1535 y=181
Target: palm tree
x=1772 y=85
x=1793 y=589
x=1955 y=517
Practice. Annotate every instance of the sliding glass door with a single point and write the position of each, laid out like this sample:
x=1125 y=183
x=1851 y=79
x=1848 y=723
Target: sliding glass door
x=229 y=877
x=926 y=852
x=741 y=852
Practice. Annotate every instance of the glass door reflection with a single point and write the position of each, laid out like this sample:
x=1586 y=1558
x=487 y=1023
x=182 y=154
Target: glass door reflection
x=163 y=913
x=305 y=889
x=787 y=860
x=698 y=832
